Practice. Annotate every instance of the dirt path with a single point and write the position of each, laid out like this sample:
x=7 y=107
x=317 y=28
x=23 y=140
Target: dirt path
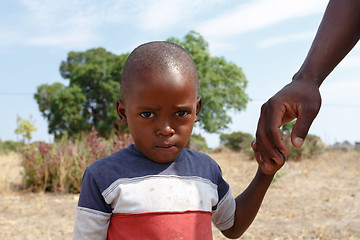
x=311 y=199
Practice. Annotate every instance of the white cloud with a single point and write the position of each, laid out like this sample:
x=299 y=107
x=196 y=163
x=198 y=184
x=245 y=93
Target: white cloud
x=259 y=14
x=286 y=38
x=341 y=90
x=73 y=39
x=350 y=62
x=158 y=15
x=161 y=14
x=66 y=23
x=61 y=23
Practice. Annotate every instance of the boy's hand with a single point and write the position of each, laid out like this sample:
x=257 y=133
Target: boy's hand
x=267 y=167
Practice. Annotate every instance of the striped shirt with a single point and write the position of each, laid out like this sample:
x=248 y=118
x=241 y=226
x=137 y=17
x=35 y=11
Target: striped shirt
x=128 y=196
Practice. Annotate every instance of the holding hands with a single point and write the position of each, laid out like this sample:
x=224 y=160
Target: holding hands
x=300 y=99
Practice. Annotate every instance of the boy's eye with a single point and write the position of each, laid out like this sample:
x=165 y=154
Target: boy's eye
x=147 y=114
x=182 y=113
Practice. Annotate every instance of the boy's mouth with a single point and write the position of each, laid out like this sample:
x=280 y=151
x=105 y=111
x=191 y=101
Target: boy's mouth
x=167 y=147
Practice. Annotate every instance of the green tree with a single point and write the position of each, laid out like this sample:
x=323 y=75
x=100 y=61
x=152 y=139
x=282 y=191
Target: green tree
x=89 y=99
x=222 y=83
x=24 y=128
x=94 y=84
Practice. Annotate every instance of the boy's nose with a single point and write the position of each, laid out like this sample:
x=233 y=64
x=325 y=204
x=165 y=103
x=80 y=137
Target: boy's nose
x=165 y=129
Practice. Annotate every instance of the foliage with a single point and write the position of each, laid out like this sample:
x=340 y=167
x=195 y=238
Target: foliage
x=237 y=141
x=24 y=128
x=278 y=175
x=222 y=83
x=10 y=146
x=198 y=143
x=287 y=127
x=89 y=99
x=94 y=84
x=312 y=145
x=58 y=167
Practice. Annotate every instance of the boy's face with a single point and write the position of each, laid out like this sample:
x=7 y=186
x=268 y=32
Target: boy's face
x=160 y=110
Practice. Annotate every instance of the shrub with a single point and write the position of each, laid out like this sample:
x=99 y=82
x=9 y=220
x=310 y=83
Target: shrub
x=237 y=141
x=198 y=143
x=312 y=146
x=10 y=146
x=59 y=167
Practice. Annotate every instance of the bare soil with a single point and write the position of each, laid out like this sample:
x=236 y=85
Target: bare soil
x=316 y=198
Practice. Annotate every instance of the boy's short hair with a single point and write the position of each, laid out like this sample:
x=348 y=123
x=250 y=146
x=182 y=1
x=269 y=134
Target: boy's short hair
x=159 y=56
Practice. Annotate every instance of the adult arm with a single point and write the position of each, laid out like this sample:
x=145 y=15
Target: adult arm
x=338 y=33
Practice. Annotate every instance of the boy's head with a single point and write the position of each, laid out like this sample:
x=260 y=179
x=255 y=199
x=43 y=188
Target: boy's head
x=160 y=102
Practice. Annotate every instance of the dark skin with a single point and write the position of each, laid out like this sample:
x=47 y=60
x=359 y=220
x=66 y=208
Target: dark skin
x=160 y=109
x=338 y=33
x=249 y=201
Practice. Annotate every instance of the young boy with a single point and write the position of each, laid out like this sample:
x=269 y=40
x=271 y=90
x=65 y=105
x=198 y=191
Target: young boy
x=156 y=188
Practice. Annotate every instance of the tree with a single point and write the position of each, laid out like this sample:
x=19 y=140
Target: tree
x=222 y=83
x=89 y=99
x=94 y=84
x=24 y=128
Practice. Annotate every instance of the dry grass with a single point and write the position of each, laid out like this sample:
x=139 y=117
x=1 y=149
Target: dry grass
x=313 y=199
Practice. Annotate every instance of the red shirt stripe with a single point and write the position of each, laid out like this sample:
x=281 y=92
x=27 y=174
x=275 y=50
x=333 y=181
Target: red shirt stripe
x=189 y=225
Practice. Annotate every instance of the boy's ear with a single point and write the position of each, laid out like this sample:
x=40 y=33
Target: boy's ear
x=120 y=108
x=198 y=107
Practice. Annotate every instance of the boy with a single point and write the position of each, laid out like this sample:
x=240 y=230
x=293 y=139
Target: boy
x=156 y=188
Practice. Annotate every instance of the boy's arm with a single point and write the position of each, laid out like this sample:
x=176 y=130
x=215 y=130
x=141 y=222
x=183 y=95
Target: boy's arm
x=92 y=213
x=249 y=201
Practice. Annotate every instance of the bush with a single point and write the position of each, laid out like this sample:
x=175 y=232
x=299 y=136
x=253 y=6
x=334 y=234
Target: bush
x=198 y=143
x=59 y=167
x=237 y=141
x=312 y=146
x=10 y=146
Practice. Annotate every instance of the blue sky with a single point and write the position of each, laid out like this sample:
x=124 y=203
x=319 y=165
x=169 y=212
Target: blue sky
x=268 y=39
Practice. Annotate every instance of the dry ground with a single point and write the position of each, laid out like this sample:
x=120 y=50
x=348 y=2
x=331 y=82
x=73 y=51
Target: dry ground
x=311 y=199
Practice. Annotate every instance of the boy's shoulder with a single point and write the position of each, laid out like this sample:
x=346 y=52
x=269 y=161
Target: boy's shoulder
x=200 y=157
x=128 y=163
x=116 y=163
x=114 y=158
x=193 y=163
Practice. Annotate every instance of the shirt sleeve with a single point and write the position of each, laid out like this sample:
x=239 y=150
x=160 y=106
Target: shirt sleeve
x=92 y=213
x=223 y=216
x=224 y=211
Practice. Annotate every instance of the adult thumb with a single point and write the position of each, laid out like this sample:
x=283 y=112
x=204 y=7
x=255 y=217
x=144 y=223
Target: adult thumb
x=300 y=130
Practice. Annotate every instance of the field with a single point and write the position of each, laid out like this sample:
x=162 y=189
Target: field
x=315 y=198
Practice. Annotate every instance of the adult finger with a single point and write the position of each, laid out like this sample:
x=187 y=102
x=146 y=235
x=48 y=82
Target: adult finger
x=306 y=115
x=266 y=147
x=276 y=112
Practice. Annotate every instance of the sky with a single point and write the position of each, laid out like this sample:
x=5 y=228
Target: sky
x=268 y=39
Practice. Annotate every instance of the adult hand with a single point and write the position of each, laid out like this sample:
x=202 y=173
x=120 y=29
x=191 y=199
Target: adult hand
x=300 y=99
x=269 y=167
